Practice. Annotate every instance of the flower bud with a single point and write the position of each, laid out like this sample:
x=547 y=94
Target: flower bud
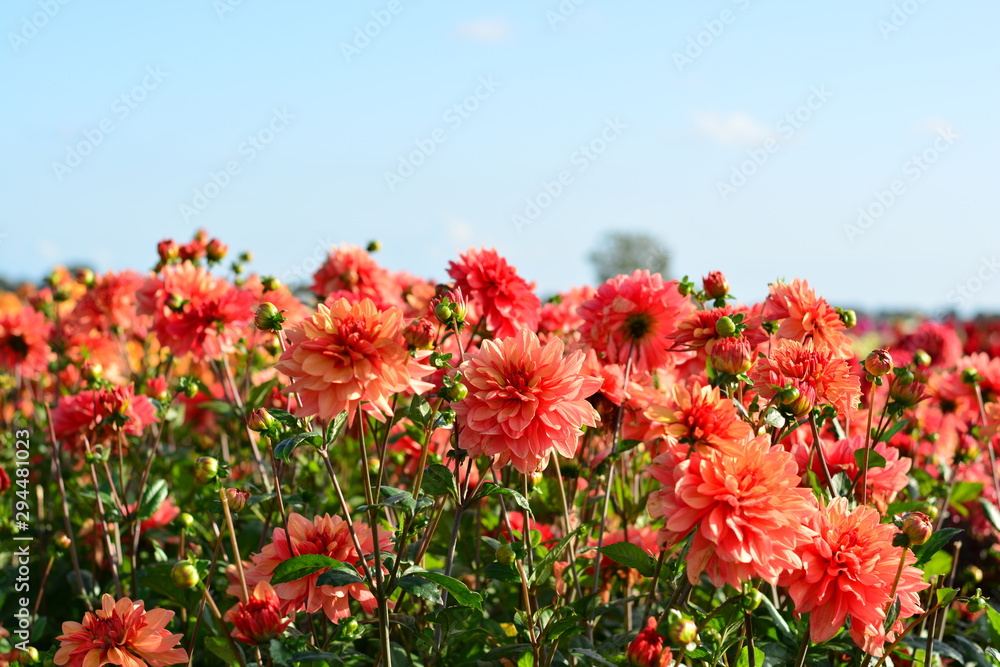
x=61 y=541
x=732 y=356
x=976 y=603
x=374 y=246
x=974 y=573
x=752 y=599
x=206 y=468
x=85 y=277
x=971 y=376
x=185 y=520
x=505 y=554
x=237 y=499
x=921 y=358
x=184 y=574
x=216 y=250
x=456 y=392
x=191 y=390
x=848 y=317
x=878 y=363
x=351 y=626
x=917 y=527
x=32 y=653
x=443 y=312
x=176 y=302
x=260 y=420
x=725 y=326
x=648 y=648
x=270 y=283
x=92 y=371
x=682 y=630
x=374 y=465
x=268 y=317
x=168 y=250
x=905 y=393
x=715 y=285
x=419 y=334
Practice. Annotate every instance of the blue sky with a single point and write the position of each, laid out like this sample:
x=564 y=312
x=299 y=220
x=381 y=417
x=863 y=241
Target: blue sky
x=853 y=144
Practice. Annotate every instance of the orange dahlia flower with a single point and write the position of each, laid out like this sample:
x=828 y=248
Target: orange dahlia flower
x=260 y=619
x=347 y=354
x=848 y=568
x=325 y=535
x=24 y=347
x=804 y=316
x=820 y=377
x=525 y=400
x=120 y=633
x=701 y=417
x=505 y=299
x=744 y=504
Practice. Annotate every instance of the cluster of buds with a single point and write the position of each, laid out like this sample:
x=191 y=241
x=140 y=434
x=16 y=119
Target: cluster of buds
x=848 y=317
x=451 y=308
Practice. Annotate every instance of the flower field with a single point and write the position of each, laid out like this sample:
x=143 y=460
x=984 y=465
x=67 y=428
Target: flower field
x=206 y=467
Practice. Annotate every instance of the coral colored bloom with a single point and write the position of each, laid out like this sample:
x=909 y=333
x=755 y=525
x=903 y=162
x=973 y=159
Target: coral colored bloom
x=820 y=377
x=648 y=649
x=744 y=504
x=100 y=414
x=884 y=482
x=698 y=329
x=524 y=400
x=701 y=418
x=351 y=270
x=195 y=312
x=634 y=314
x=325 y=535
x=110 y=305
x=346 y=354
x=560 y=316
x=804 y=316
x=120 y=633
x=506 y=301
x=848 y=568
x=260 y=619
x=23 y=342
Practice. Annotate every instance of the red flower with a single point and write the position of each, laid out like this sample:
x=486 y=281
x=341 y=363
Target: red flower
x=507 y=302
x=848 y=569
x=634 y=314
x=260 y=619
x=701 y=418
x=820 y=377
x=648 y=649
x=100 y=414
x=326 y=535
x=744 y=504
x=110 y=305
x=120 y=633
x=351 y=270
x=24 y=349
x=524 y=400
x=805 y=317
x=4 y=481
x=195 y=312
x=698 y=329
x=345 y=355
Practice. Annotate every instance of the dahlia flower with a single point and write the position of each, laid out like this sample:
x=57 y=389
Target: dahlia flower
x=524 y=400
x=110 y=304
x=744 y=504
x=195 y=312
x=637 y=313
x=649 y=648
x=325 y=535
x=804 y=317
x=24 y=348
x=350 y=270
x=348 y=355
x=506 y=301
x=100 y=414
x=701 y=417
x=820 y=376
x=848 y=568
x=260 y=619
x=120 y=633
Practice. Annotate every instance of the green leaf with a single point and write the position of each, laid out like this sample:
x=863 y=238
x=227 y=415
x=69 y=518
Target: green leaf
x=314 y=656
x=500 y=572
x=221 y=649
x=893 y=430
x=491 y=489
x=152 y=498
x=283 y=450
x=458 y=590
x=335 y=428
x=439 y=481
x=939 y=564
x=875 y=460
x=419 y=411
x=971 y=651
x=626 y=445
x=285 y=417
x=544 y=565
x=779 y=621
x=945 y=595
x=420 y=587
x=630 y=555
x=962 y=493
x=774 y=418
x=340 y=574
x=991 y=512
x=297 y=567
x=840 y=485
x=744 y=659
x=937 y=541
x=993 y=616
x=255 y=398
x=592 y=657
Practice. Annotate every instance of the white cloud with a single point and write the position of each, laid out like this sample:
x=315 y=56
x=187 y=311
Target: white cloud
x=736 y=129
x=488 y=30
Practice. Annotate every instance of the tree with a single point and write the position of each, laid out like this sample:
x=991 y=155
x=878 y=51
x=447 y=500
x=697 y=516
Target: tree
x=624 y=252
